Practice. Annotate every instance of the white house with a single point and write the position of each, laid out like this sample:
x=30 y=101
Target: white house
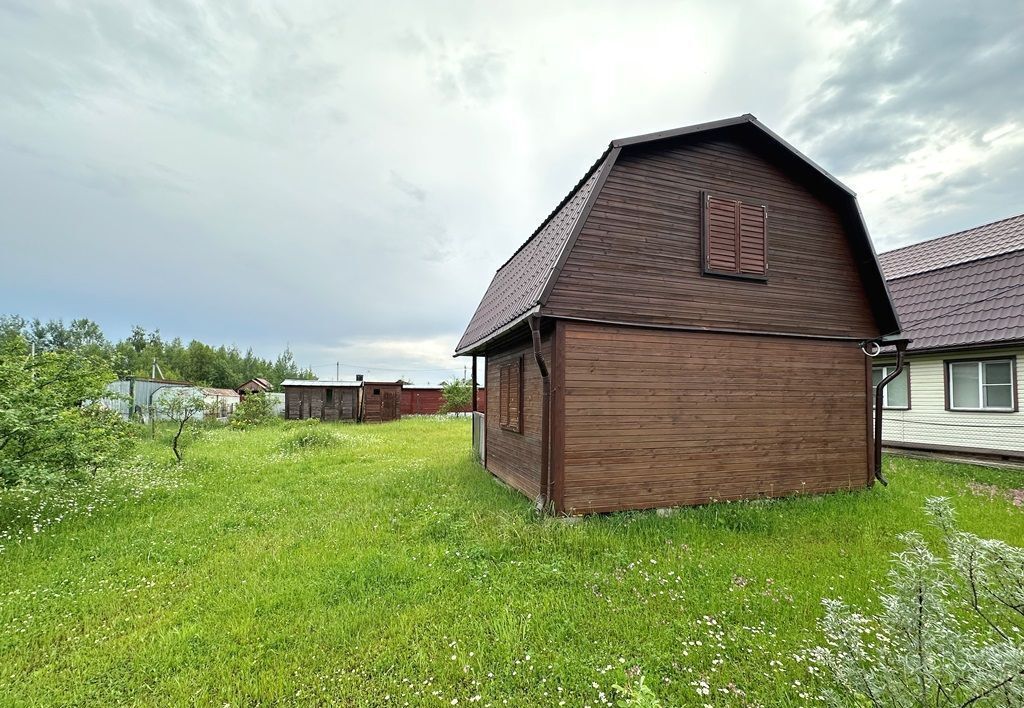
x=961 y=299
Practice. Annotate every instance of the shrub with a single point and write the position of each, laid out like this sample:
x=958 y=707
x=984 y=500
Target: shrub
x=52 y=425
x=255 y=409
x=948 y=634
x=456 y=395
x=308 y=435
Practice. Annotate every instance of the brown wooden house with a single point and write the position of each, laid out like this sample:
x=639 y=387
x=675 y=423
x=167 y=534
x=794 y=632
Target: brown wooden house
x=686 y=326
x=382 y=401
x=325 y=400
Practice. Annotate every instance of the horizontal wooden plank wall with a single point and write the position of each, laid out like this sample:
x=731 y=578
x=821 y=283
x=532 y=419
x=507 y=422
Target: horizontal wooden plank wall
x=382 y=401
x=428 y=401
x=657 y=418
x=515 y=457
x=638 y=257
x=311 y=402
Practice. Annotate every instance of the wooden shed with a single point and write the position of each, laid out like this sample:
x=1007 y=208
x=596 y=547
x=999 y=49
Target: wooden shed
x=382 y=401
x=257 y=385
x=326 y=400
x=427 y=400
x=686 y=326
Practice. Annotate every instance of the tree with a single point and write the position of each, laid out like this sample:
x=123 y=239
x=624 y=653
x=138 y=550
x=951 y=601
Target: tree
x=948 y=634
x=255 y=409
x=181 y=406
x=53 y=424
x=456 y=395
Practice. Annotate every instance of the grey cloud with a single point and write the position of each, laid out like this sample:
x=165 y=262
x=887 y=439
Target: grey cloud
x=915 y=67
x=408 y=188
x=262 y=172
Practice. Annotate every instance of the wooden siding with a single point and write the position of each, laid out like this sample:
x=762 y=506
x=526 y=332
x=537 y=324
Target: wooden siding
x=302 y=402
x=515 y=457
x=656 y=418
x=638 y=257
x=382 y=401
x=428 y=401
x=928 y=423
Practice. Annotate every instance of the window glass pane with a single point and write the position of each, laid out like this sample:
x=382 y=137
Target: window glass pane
x=896 y=390
x=964 y=384
x=997 y=372
x=999 y=396
x=877 y=374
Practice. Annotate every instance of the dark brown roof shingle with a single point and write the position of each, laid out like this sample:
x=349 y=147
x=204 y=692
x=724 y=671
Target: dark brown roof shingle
x=961 y=247
x=518 y=284
x=963 y=290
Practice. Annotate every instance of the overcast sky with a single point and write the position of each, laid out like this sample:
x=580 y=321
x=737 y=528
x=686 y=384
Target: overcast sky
x=345 y=178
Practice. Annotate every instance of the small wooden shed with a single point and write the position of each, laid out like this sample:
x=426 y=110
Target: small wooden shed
x=326 y=400
x=687 y=325
x=257 y=385
x=382 y=401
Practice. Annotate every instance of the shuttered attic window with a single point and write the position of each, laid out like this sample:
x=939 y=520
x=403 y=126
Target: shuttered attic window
x=510 y=396
x=734 y=238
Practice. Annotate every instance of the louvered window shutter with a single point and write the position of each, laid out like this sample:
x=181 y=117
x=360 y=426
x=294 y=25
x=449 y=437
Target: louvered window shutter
x=515 y=396
x=735 y=237
x=503 y=391
x=510 y=396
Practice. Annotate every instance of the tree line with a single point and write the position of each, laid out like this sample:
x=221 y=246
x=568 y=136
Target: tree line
x=200 y=363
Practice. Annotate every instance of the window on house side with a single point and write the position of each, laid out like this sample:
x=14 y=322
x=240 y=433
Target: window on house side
x=896 y=393
x=981 y=385
x=330 y=395
x=734 y=238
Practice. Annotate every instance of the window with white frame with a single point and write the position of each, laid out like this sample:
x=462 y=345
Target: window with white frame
x=981 y=385
x=896 y=393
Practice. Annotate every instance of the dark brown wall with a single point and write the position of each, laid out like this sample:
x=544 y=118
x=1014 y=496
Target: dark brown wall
x=515 y=457
x=385 y=404
x=311 y=402
x=637 y=258
x=657 y=418
x=428 y=401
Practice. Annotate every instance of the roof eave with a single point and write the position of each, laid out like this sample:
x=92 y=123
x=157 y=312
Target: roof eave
x=473 y=348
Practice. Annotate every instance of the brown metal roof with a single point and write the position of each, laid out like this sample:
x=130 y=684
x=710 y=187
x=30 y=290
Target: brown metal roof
x=974 y=297
x=518 y=284
x=522 y=283
x=964 y=246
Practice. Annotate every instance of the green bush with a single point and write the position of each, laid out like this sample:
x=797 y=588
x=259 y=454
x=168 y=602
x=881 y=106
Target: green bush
x=255 y=409
x=53 y=426
x=456 y=395
x=308 y=435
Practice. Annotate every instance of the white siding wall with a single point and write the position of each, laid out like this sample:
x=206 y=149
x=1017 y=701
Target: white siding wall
x=928 y=421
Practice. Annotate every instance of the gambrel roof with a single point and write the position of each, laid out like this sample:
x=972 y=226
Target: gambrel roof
x=521 y=285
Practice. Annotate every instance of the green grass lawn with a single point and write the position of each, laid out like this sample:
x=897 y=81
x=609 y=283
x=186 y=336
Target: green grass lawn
x=389 y=569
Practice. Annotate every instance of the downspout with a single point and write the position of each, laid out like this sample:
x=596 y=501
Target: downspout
x=545 y=472
x=901 y=347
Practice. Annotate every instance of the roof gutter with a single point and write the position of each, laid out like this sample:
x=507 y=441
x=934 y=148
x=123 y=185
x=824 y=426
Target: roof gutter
x=901 y=348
